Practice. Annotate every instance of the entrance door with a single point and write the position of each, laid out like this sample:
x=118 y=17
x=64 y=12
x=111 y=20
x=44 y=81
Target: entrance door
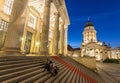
x=28 y=42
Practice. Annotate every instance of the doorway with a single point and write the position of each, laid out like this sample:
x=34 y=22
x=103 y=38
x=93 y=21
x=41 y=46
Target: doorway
x=28 y=42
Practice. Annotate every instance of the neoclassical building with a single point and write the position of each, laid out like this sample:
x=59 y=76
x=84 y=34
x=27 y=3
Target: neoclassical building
x=33 y=26
x=91 y=46
x=115 y=52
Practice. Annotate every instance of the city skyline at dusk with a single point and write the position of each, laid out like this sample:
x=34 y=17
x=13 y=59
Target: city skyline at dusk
x=105 y=15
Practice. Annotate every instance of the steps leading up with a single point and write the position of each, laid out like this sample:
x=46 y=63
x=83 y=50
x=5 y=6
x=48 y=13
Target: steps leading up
x=29 y=69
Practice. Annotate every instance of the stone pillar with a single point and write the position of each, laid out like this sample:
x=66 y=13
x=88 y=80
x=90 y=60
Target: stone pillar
x=37 y=37
x=56 y=35
x=45 y=28
x=82 y=52
x=65 y=39
x=51 y=47
x=109 y=54
x=15 y=27
x=2 y=3
x=62 y=38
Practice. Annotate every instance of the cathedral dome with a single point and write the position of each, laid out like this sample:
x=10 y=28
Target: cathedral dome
x=89 y=23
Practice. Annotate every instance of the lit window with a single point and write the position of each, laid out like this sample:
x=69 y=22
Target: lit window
x=32 y=21
x=3 y=25
x=8 y=6
x=3 y=31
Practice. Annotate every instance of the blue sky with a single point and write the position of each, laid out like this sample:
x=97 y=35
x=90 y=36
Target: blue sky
x=105 y=15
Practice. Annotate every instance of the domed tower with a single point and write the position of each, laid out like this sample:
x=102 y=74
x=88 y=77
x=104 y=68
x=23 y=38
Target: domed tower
x=89 y=34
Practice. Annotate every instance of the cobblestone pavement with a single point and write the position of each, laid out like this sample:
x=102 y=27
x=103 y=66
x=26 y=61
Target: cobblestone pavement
x=109 y=72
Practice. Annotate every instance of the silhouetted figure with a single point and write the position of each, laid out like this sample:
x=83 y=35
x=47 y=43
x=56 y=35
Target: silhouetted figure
x=51 y=68
x=54 y=69
x=47 y=65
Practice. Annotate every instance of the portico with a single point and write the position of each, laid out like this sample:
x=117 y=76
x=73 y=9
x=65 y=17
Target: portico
x=36 y=26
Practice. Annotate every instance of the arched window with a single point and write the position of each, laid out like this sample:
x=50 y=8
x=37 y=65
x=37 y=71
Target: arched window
x=8 y=6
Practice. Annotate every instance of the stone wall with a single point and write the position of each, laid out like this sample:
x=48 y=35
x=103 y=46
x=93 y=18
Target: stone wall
x=89 y=62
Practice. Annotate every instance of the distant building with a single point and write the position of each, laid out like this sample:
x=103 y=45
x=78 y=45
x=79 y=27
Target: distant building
x=91 y=46
x=77 y=52
x=115 y=53
x=73 y=52
x=70 y=50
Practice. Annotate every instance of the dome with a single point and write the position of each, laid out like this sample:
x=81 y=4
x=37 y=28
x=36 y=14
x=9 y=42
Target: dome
x=89 y=23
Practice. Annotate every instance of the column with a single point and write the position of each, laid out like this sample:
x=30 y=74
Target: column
x=15 y=27
x=45 y=28
x=65 y=39
x=94 y=52
x=2 y=3
x=82 y=52
x=37 y=37
x=62 y=39
x=51 y=47
x=56 y=35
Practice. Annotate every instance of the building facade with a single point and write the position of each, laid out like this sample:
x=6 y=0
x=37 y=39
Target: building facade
x=34 y=26
x=91 y=46
x=115 y=52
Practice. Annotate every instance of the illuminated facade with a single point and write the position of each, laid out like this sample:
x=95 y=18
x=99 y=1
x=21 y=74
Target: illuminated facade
x=115 y=53
x=34 y=26
x=91 y=46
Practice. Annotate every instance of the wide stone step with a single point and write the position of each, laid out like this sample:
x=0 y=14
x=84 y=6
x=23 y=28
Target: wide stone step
x=31 y=79
x=18 y=73
x=70 y=78
x=43 y=78
x=66 y=77
x=6 y=71
x=14 y=62
x=76 y=77
x=61 y=76
x=38 y=76
x=13 y=58
x=48 y=76
x=18 y=65
x=60 y=72
x=22 y=77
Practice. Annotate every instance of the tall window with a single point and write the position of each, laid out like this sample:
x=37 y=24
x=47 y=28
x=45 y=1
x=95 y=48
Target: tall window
x=8 y=6
x=3 y=30
x=3 y=25
x=31 y=21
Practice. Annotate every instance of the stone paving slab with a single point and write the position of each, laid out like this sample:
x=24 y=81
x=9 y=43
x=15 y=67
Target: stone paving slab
x=110 y=72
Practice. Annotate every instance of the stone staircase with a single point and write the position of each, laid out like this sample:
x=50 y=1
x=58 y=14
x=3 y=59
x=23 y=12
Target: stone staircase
x=84 y=72
x=29 y=69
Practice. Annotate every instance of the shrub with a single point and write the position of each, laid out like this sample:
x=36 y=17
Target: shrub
x=111 y=61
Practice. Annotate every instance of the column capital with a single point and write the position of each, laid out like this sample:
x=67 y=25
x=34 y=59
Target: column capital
x=57 y=14
x=61 y=8
x=47 y=3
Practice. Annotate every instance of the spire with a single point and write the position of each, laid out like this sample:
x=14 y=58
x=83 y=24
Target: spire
x=88 y=18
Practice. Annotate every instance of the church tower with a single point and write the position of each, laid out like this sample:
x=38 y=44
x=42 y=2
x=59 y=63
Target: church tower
x=90 y=46
x=89 y=34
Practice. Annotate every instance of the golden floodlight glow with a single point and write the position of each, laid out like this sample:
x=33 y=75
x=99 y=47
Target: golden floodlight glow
x=37 y=43
x=21 y=39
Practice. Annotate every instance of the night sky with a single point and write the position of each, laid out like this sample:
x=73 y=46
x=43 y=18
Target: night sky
x=104 y=14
